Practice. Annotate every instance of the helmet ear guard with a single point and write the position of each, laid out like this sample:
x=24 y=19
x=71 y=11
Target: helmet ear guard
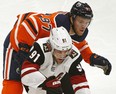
x=81 y=9
x=60 y=39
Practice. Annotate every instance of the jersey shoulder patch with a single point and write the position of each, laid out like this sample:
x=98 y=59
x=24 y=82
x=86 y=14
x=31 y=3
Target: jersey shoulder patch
x=73 y=54
x=36 y=54
x=46 y=47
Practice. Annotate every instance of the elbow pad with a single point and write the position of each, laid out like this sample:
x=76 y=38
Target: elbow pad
x=101 y=62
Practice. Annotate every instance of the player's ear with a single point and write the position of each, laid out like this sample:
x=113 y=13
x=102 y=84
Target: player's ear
x=71 y=20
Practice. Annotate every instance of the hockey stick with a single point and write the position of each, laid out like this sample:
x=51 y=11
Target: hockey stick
x=66 y=85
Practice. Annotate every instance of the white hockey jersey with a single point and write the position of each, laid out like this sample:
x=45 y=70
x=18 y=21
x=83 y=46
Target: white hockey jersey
x=41 y=65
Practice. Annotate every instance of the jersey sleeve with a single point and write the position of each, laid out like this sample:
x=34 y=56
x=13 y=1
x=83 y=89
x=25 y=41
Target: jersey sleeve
x=30 y=74
x=34 y=27
x=28 y=31
x=84 y=50
x=22 y=31
x=36 y=54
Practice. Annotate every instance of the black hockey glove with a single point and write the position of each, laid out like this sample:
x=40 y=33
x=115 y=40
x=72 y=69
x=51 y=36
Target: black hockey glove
x=101 y=62
x=22 y=53
x=52 y=85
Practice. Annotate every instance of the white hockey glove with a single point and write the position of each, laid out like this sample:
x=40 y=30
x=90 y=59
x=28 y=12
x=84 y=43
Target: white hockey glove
x=101 y=62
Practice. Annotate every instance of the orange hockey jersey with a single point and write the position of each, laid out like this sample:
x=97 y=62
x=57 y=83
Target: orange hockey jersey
x=31 y=26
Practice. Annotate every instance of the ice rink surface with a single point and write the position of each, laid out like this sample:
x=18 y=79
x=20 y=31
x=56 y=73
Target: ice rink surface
x=101 y=37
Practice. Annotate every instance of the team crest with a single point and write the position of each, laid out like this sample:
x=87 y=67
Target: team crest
x=64 y=40
x=46 y=47
x=73 y=54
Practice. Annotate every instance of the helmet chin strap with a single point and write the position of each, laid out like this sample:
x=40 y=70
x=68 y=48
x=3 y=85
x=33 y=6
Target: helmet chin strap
x=72 y=25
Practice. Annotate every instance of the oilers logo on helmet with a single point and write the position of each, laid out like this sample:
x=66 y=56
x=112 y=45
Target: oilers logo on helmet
x=81 y=9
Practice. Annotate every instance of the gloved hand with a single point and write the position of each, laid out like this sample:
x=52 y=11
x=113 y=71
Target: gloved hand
x=101 y=62
x=52 y=85
x=22 y=53
x=51 y=82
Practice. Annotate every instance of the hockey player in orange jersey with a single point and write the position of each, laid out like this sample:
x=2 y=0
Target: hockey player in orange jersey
x=29 y=27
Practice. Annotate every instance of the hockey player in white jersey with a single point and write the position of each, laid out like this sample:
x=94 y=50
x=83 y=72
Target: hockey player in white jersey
x=49 y=60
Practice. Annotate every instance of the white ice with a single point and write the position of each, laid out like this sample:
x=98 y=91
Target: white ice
x=101 y=37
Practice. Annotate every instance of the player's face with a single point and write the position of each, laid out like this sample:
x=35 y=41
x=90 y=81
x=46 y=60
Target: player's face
x=60 y=55
x=80 y=24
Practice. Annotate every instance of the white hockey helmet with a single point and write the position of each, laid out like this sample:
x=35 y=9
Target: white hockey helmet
x=60 y=39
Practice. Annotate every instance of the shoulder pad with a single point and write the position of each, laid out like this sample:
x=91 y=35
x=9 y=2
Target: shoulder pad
x=46 y=47
x=63 y=20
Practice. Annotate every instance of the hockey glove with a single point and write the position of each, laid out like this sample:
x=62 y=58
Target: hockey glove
x=101 y=62
x=52 y=85
x=22 y=53
x=51 y=82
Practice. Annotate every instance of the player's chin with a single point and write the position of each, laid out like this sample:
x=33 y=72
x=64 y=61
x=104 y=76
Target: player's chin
x=80 y=33
x=60 y=61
